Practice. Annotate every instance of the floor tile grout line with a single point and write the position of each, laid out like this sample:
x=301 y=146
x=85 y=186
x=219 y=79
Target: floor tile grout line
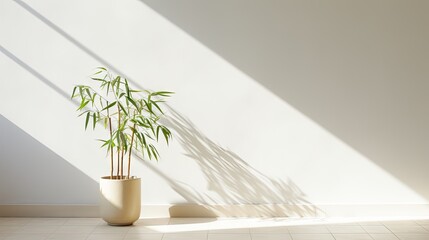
x=390 y=230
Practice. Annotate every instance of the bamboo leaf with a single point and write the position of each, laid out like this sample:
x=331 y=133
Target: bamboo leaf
x=88 y=92
x=149 y=152
x=87 y=120
x=132 y=102
x=74 y=90
x=143 y=139
x=166 y=133
x=83 y=104
x=127 y=88
x=154 y=151
x=163 y=93
x=151 y=126
x=123 y=109
x=98 y=79
x=84 y=112
x=94 y=120
x=156 y=105
x=109 y=106
x=108 y=87
x=157 y=131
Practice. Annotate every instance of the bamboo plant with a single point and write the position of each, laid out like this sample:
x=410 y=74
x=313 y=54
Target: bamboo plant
x=131 y=117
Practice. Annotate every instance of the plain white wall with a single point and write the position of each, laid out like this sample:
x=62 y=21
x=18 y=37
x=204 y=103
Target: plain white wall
x=301 y=102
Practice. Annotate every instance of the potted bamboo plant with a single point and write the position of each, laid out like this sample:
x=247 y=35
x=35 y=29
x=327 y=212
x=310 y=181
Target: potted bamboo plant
x=131 y=118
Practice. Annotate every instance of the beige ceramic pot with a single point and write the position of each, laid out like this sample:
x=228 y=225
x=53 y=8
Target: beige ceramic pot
x=120 y=200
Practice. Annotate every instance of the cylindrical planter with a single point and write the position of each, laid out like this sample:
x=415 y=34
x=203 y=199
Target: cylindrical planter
x=120 y=200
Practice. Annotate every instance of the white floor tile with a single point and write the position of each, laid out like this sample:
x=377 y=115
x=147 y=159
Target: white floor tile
x=38 y=229
x=400 y=223
x=413 y=236
x=152 y=221
x=376 y=229
x=14 y=221
x=142 y=229
x=111 y=229
x=422 y=221
x=269 y=236
x=106 y=236
x=312 y=236
x=27 y=236
x=144 y=236
x=75 y=229
x=229 y=236
x=408 y=229
x=358 y=236
x=384 y=236
x=68 y=236
x=346 y=229
x=47 y=221
x=269 y=230
x=308 y=229
x=182 y=236
x=232 y=230
x=371 y=223
x=212 y=229
x=84 y=221
x=9 y=229
x=190 y=220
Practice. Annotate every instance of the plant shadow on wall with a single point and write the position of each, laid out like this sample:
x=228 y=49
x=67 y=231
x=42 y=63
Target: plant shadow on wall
x=241 y=190
x=371 y=95
x=229 y=176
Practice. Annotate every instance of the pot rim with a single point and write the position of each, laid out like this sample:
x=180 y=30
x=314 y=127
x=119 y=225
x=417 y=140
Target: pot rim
x=107 y=178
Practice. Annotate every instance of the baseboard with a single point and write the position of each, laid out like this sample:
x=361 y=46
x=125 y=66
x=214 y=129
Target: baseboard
x=243 y=210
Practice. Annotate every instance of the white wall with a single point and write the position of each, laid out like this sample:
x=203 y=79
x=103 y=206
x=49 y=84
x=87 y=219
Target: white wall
x=299 y=102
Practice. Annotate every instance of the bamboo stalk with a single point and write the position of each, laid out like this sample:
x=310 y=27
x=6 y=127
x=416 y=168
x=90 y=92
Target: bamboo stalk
x=122 y=164
x=119 y=140
x=111 y=148
x=129 y=154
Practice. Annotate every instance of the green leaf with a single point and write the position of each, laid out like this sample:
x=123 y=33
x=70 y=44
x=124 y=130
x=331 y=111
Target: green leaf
x=154 y=151
x=88 y=92
x=127 y=88
x=83 y=104
x=84 y=112
x=74 y=90
x=98 y=79
x=163 y=93
x=156 y=105
x=151 y=126
x=149 y=107
x=157 y=132
x=109 y=106
x=94 y=120
x=123 y=109
x=87 y=120
x=166 y=133
x=143 y=139
x=149 y=153
x=108 y=87
x=132 y=102
x=118 y=81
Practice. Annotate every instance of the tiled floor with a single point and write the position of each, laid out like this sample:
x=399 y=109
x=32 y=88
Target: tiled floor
x=215 y=229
